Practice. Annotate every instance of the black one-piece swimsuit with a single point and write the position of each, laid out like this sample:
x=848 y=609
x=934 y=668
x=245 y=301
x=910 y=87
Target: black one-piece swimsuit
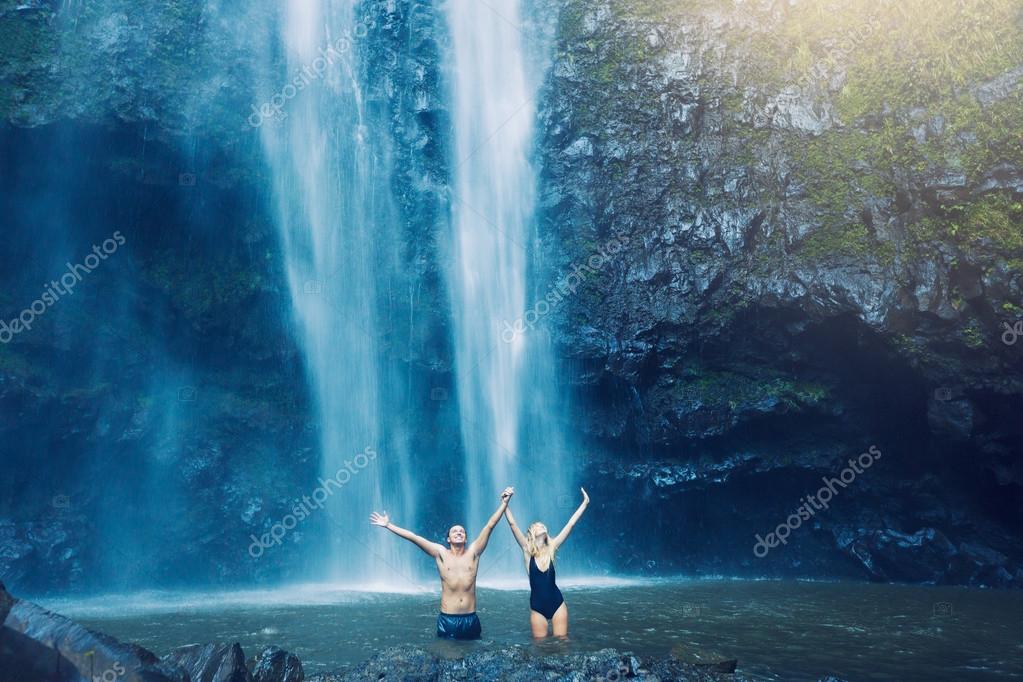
x=544 y=595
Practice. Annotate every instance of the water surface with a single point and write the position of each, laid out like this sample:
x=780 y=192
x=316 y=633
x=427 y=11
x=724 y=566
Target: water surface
x=777 y=630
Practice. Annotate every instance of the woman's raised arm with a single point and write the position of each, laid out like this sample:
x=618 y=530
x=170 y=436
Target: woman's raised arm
x=563 y=535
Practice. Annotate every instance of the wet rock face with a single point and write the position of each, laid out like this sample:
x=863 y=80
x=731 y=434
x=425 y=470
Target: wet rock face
x=693 y=160
x=782 y=301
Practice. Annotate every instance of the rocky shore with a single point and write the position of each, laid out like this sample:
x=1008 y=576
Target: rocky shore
x=515 y=664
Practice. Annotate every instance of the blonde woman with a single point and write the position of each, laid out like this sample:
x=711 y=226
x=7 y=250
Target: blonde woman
x=545 y=600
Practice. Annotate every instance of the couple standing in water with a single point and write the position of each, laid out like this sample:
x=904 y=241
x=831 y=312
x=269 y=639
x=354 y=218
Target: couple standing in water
x=458 y=565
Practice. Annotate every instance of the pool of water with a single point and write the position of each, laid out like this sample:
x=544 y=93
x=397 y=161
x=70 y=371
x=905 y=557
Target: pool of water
x=778 y=630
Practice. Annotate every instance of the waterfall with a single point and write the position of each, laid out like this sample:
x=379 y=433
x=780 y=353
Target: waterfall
x=332 y=166
x=508 y=417
x=336 y=221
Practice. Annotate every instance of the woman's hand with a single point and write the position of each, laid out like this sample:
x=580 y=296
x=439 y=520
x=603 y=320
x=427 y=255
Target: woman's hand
x=379 y=519
x=507 y=494
x=586 y=498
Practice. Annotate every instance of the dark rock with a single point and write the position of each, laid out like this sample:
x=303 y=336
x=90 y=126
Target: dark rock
x=514 y=664
x=950 y=418
x=923 y=556
x=722 y=666
x=276 y=665
x=36 y=644
x=6 y=602
x=981 y=565
x=211 y=662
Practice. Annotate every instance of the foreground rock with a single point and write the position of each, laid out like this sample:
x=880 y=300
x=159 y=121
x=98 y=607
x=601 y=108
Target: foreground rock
x=226 y=663
x=36 y=644
x=276 y=665
x=211 y=662
x=515 y=664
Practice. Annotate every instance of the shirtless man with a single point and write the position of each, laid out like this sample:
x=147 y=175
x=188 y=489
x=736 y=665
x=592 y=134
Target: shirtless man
x=457 y=565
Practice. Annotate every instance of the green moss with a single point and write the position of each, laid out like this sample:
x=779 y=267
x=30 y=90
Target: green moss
x=843 y=240
x=972 y=335
x=900 y=58
x=992 y=224
x=737 y=391
x=915 y=55
x=571 y=21
x=995 y=218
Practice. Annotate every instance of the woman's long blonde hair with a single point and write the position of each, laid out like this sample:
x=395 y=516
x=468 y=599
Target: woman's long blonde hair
x=535 y=549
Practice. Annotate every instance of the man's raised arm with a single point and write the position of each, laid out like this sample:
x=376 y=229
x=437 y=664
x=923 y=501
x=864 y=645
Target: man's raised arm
x=384 y=521
x=480 y=543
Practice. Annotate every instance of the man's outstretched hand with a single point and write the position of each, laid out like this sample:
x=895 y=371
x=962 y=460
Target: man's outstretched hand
x=379 y=519
x=586 y=498
x=507 y=494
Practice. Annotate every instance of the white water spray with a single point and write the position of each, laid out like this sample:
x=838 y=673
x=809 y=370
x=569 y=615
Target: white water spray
x=335 y=218
x=508 y=419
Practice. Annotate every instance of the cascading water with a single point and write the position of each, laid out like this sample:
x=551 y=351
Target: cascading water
x=335 y=215
x=504 y=377
x=331 y=167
